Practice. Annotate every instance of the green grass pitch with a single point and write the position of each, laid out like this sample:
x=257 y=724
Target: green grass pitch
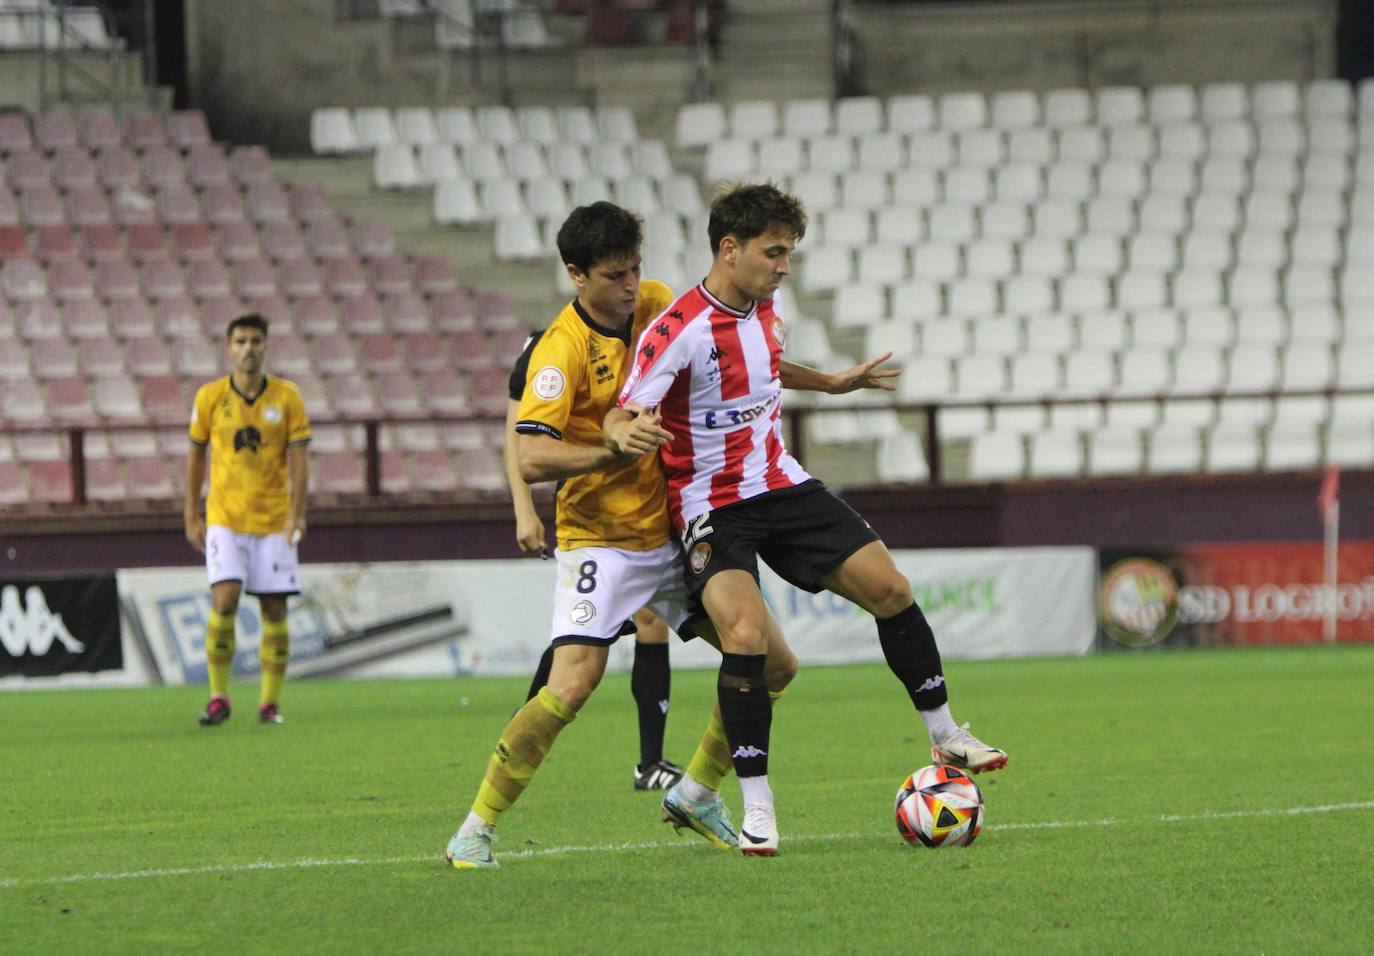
x=1208 y=801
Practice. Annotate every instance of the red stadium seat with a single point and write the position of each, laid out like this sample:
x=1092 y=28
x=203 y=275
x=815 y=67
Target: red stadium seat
x=310 y=202
x=104 y=480
x=351 y=395
x=50 y=243
x=397 y=395
x=131 y=318
x=178 y=317
x=206 y=166
x=14 y=360
x=315 y=315
x=208 y=279
x=389 y=275
x=71 y=280
x=88 y=206
x=162 y=279
x=25 y=168
x=9 y=208
x=425 y=352
x=116 y=399
x=328 y=239
x=42 y=206
x=481 y=470
x=275 y=310
x=373 y=239
x=73 y=166
x=117 y=280
x=300 y=277
x=406 y=314
x=434 y=275
x=142 y=130
x=223 y=205
x=22 y=280
x=39 y=319
x=491 y=391
x=50 y=482
x=344 y=278
x=163 y=166
x=14 y=242
x=289 y=355
x=53 y=130
x=339 y=473
x=53 y=358
x=133 y=206
x=217 y=313
x=178 y=204
x=379 y=353
x=266 y=202
x=250 y=165
x=117 y=168
x=394 y=474
x=163 y=400
x=334 y=355
x=100 y=357
x=14 y=488
x=101 y=244
x=150 y=477
x=470 y=350
x=21 y=402
x=195 y=358
x=148 y=357
x=446 y=393
x=282 y=241
x=496 y=312
x=237 y=241
x=194 y=242
x=86 y=319
x=253 y=277
x=507 y=346
x=69 y=400
x=15 y=133
x=187 y=128
x=98 y=130
x=433 y=471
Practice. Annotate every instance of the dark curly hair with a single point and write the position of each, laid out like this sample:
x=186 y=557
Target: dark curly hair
x=746 y=210
x=599 y=231
x=250 y=321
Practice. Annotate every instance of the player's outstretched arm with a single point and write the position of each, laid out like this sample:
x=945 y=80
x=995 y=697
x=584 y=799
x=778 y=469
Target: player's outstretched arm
x=865 y=375
x=634 y=430
x=195 y=477
x=545 y=458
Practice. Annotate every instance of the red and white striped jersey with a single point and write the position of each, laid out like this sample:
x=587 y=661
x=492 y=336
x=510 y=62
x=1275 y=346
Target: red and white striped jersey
x=713 y=373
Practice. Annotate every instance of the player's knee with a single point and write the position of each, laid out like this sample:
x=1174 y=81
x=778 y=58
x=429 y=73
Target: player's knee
x=649 y=628
x=574 y=691
x=781 y=668
x=890 y=595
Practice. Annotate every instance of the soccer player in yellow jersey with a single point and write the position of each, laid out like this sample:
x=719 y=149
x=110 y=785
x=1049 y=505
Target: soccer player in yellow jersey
x=256 y=430
x=615 y=551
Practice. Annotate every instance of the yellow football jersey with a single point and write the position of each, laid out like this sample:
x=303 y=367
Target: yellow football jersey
x=575 y=374
x=249 y=492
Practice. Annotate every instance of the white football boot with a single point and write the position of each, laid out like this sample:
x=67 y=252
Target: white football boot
x=962 y=749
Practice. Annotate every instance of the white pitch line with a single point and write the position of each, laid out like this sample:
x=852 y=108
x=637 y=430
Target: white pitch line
x=663 y=845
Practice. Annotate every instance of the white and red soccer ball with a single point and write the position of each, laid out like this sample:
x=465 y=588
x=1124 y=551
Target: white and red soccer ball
x=939 y=806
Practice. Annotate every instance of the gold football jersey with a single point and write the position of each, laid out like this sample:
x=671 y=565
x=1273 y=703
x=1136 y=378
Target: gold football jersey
x=249 y=492
x=575 y=375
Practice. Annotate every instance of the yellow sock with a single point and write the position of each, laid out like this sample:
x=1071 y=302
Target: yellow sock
x=520 y=751
x=712 y=762
x=219 y=651
x=273 y=652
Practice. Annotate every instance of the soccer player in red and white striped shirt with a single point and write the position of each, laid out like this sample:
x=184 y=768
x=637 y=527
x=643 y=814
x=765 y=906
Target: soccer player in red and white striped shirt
x=712 y=366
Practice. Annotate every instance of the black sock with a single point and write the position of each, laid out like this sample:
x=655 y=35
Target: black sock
x=650 y=680
x=541 y=673
x=909 y=646
x=746 y=711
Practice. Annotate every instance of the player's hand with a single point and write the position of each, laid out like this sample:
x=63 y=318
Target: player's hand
x=867 y=375
x=195 y=532
x=529 y=534
x=639 y=435
x=294 y=531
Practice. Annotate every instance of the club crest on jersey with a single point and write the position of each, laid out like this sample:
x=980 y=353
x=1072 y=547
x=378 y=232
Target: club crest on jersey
x=699 y=556
x=582 y=612
x=779 y=333
x=548 y=383
x=271 y=414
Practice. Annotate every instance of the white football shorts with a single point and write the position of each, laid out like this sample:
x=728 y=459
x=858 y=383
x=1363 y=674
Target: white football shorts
x=265 y=563
x=599 y=589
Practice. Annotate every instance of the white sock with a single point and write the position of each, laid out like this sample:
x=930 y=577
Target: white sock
x=939 y=723
x=694 y=790
x=756 y=791
x=474 y=822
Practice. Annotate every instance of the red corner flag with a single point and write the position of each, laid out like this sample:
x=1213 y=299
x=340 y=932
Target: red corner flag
x=1330 y=493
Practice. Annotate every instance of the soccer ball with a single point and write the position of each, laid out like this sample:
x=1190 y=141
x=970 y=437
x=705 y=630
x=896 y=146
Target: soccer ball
x=939 y=806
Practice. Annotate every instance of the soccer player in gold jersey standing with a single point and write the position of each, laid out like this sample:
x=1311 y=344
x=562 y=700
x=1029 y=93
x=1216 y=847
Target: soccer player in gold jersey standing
x=256 y=431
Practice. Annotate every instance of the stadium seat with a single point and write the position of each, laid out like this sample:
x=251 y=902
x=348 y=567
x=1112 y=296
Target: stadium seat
x=910 y=113
x=858 y=115
x=699 y=124
x=997 y=457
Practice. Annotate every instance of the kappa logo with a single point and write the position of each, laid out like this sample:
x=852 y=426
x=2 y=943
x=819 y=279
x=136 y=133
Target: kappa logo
x=931 y=683
x=748 y=750
x=30 y=625
x=663 y=707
